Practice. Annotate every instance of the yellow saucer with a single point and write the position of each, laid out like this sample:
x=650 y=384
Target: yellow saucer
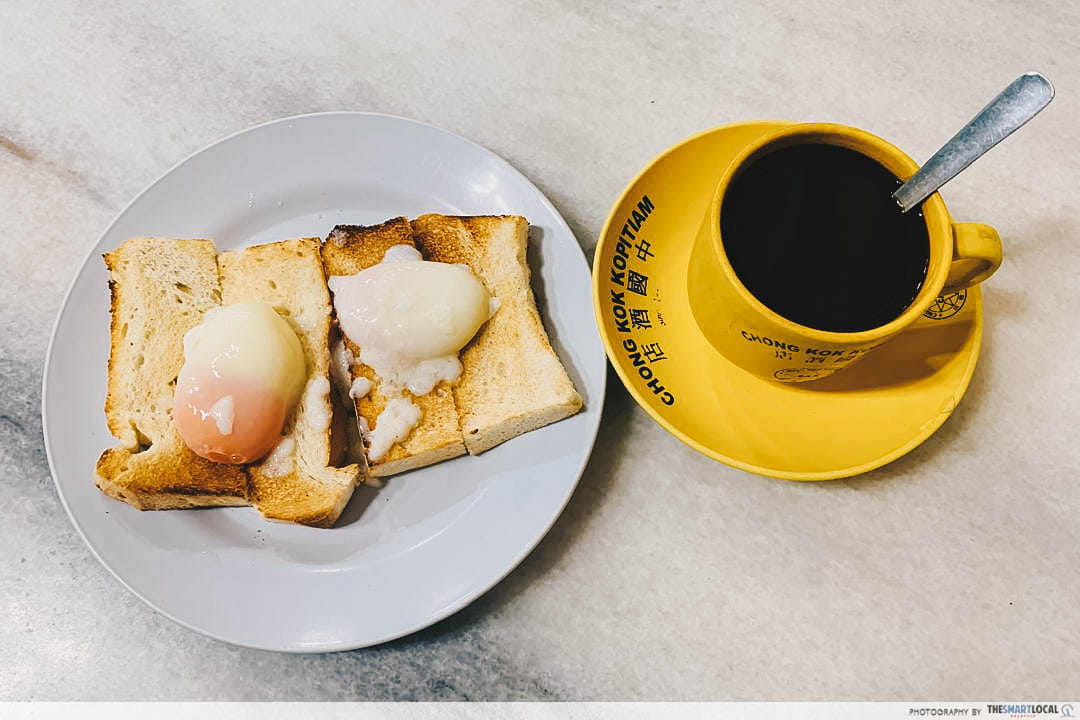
x=854 y=421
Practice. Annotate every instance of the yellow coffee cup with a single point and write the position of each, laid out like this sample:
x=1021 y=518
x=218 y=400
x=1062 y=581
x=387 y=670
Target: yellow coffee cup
x=763 y=342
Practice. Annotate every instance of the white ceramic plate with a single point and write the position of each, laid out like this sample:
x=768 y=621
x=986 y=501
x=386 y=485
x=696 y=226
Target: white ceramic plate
x=402 y=557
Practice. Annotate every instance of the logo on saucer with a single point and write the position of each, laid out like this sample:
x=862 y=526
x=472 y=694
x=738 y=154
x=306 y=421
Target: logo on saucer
x=946 y=305
x=799 y=374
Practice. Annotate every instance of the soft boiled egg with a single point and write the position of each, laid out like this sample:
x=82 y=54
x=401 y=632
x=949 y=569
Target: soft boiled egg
x=409 y=317
x=243 y=373
x=417 y=309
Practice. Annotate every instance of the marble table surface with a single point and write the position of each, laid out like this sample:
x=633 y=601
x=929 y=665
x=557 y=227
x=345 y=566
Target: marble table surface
x=953 y=573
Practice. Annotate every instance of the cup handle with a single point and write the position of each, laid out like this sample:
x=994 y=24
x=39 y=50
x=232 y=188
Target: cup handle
x=976 y=255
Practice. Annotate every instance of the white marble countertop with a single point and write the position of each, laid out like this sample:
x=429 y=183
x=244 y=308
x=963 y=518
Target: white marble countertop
x=953 y=573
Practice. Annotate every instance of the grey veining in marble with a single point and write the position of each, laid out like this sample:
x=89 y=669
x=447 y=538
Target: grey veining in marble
x=952 y=573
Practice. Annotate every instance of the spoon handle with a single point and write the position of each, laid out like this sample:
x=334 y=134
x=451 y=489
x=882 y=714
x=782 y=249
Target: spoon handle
x=1016 y=104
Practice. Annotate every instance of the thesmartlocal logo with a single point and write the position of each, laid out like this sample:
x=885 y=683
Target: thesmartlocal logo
x=1017 y=710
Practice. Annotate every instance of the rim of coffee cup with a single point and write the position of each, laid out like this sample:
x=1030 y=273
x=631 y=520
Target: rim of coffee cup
x=893 y=159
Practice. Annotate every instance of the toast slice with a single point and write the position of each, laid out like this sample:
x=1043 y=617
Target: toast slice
x=348 y=250
x=512 y=381
x=296 y=481
x=160 y=289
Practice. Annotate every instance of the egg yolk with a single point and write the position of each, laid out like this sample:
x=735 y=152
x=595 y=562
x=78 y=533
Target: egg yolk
x=242 y=375
x=243 y=428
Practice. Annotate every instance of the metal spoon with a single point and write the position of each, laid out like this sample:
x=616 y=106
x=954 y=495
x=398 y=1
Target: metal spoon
x=1016 y=104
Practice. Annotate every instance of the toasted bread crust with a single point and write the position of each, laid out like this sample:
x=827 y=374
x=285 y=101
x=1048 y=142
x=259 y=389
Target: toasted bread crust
x=168 y=479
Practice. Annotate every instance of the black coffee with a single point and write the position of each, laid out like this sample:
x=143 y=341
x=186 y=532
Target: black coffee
x=814 y=233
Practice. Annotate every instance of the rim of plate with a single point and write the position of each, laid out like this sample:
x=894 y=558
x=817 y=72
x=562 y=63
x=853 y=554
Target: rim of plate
x=445 y=612
x=658 y=417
